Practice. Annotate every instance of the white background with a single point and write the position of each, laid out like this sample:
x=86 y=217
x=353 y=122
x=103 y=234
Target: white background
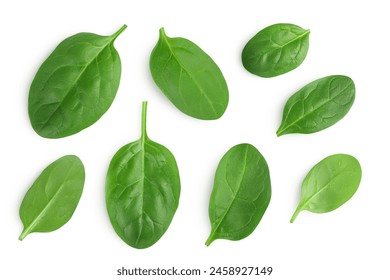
x=347 y=37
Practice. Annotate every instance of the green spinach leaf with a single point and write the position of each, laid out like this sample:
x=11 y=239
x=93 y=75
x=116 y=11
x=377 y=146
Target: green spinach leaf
x=189 y=78
x=275 y=50
x=329 y=184
x=53 y=198
x=241 y=194
x=142 y=190
x=318 y=105
x=75 y=85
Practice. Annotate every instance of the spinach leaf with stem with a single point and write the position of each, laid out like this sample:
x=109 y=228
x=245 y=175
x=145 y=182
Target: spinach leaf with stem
x=53 y=198
x=75 y=85
x=241 y=194
x=329 y=184
x=142 y=190
x=275 y=50
x=318 y=105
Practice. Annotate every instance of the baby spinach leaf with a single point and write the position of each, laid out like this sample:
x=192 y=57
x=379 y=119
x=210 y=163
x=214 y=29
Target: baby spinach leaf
x=142 y=190
x=189 y=78
x=318 y=105
x=275 y=50
x=329 y=184
x=53 y=198
x=75 y=85
x=241 y=194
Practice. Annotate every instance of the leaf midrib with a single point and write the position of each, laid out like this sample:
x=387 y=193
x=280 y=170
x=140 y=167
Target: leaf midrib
x=143 y=140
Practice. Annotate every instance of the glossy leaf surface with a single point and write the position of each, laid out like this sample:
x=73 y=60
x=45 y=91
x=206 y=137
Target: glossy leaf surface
x=318 y=105
x=241 y=194
x=329 y=184
x=75 y=85
x=189 y=78
x=53 y=198
x=275 y=50
x=142 y=190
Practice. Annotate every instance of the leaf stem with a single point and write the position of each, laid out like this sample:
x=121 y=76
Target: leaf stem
x=24 y=233
x=162 y=32
x=280 y=131
x=210 y=239
x=116 y=34
x=297 y=211
x=144 y=135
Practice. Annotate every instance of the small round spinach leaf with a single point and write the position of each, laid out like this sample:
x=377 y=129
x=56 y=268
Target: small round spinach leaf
x=275 y=50
x=329 y=184
x=53 y=198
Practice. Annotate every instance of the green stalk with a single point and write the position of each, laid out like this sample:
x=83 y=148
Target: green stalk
x=210 y=239
x=297 y=211
x=144 y=135
x=116 y=34
x=23 y=234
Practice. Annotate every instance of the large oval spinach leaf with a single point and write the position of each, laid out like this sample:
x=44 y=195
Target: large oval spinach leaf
x=275 y=50
x=75 y=85
x=318 y=105
x=329 y=184
x=241 y=194
x=53 y=198
x=142 y=190
x=189 y=78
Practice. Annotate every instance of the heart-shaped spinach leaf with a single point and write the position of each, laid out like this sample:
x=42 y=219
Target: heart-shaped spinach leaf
x=241 y=194
x=75 y=85
x=275 y=50
x=189 y=78
x=142 y=190
x=318 y=105
x=53 y=198
x=329 y=184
